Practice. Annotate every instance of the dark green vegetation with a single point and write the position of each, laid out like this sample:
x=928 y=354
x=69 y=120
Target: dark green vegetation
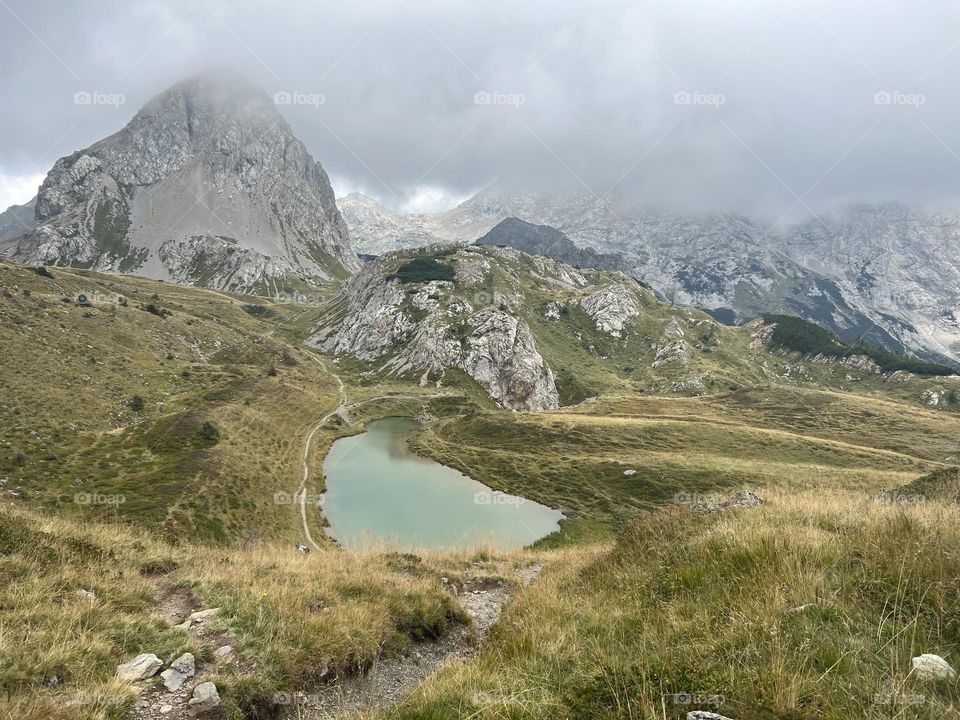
x=424 y=269
x=808 y=338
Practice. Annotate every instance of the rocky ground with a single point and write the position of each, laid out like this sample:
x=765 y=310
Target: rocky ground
x=482 y=596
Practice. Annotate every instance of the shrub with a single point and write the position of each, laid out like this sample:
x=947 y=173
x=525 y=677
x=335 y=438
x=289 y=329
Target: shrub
x=137 y=404
x=424 y=269
x=258 y=310
x=807 y=338
x=271 y=371
x=20 y=458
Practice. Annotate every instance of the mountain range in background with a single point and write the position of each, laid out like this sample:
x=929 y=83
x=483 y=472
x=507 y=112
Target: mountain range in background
x=882 y=273
x=207 y=185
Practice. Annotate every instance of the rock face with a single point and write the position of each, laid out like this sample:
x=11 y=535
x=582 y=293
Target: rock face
x=884 y=273
x=207 y=184
x=143 y=666
x=16 y=219
x=427 y=327
x=550 y=242
x=612 y=309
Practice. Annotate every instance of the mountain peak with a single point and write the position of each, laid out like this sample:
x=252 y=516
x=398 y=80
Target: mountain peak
x=206 y=184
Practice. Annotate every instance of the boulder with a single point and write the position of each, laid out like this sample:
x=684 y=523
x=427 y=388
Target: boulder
x=222 y=653
x=705 y=715
x=180 y=669
x=143 y=666
x=205 y=698
x=932 y=667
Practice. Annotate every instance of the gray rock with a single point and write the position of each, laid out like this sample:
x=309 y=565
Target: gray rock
x=222 y=653
x=705 y=715
x=143 y=666
x=206 y=184
x=426 y=327
x=612 y=309
x=86 y=594
x=179 y=671
x=198 y=618
x=205 y=698
x=932 y=667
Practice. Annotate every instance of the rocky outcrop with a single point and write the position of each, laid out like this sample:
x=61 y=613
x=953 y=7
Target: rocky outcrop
x=612 y=309
x=550 y=242
x=206 y=184
x=16 y=219
x=434 y=325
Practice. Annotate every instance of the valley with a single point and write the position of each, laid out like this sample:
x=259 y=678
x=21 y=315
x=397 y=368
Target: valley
x=538 y=455
x=221 y=465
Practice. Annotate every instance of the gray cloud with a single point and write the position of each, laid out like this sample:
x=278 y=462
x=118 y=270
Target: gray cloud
x=763 y=107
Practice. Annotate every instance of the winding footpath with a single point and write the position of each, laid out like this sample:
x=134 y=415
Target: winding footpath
x=300 y=497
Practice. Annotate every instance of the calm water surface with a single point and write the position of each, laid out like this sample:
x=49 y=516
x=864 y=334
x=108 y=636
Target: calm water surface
x=379 y=492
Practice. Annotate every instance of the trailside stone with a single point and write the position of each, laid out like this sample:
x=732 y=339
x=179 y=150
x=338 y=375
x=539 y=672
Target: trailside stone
x=205 y=698
x=180 y=669
x=143 y=666
x=932 y=667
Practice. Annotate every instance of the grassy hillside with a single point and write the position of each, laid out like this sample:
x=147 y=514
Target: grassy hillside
x=609 y=459
x=810 y=607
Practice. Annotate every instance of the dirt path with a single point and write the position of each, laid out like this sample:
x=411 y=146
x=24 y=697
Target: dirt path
x=482 y=596
x=300 y=496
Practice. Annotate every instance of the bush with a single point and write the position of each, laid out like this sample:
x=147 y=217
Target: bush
x=807 y=338
x=156 y=310
x=424 y=269
x=258 y=310
x=137 y=404
x=271 y=371
x=20 y=458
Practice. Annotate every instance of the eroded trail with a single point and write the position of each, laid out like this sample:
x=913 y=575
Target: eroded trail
x=300 y=497
x=482 y=595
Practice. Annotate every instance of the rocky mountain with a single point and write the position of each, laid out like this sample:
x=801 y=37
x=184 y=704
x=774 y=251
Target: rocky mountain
x=533 y=333
x=735 y=269
x=207 y=184
x=902 y=267
x=550 y=242
x=16 y=219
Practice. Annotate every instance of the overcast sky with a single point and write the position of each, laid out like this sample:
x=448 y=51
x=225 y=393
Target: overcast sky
x=760 y=106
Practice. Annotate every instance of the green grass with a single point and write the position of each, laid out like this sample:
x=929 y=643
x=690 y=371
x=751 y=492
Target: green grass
x=696 y=612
